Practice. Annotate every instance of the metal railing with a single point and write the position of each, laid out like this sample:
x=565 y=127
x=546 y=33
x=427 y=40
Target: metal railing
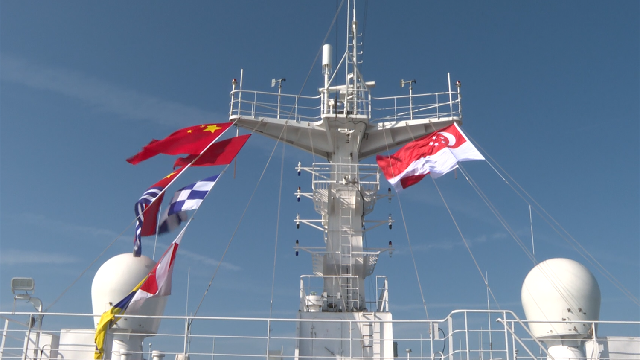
x=366 y=175
x=463 y=334
x=420 y=106
x=258 y=104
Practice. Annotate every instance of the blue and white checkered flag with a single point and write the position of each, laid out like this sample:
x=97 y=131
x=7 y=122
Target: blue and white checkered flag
x=188 y=198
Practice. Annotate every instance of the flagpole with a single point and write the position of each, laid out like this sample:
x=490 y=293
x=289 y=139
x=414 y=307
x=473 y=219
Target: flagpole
x=533 y=248
x=157 y=226
x=235 y=159
x=176 y=178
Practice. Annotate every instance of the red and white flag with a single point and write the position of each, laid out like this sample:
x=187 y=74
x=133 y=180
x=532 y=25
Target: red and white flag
x=436 y=154
x=158 y=281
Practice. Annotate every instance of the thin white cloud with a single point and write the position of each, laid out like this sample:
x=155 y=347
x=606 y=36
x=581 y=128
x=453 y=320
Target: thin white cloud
x=10 y=257
x=208 y=261
x=197 y=257
x=99 y=94
x=67 y=228
x=451 y=244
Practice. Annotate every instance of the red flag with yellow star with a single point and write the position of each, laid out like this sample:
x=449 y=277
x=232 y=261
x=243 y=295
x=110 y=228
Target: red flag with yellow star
x=220 y=153
x=190 y=140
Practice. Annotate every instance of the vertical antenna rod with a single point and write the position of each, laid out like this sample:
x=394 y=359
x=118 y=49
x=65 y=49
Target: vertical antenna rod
x=533 y=248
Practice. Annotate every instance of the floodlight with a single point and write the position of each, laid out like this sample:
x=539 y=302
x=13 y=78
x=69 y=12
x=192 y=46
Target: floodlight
x=277 y=81
x=22 y=284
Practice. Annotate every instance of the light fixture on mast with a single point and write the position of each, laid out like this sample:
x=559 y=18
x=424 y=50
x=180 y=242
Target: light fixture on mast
x=279 y=82
x=25 y=284
x=403 y=82
x=410 y=82
x=21 y=284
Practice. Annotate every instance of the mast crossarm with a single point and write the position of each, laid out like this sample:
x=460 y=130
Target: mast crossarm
x=384 y=136
x=305 y=135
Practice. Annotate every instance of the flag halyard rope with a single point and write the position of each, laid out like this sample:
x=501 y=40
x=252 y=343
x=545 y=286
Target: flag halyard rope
x=239 y=222
x=406 y=231
x=550 y=220
x=275 y=246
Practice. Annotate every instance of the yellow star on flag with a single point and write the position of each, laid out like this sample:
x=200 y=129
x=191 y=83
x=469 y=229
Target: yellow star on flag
x=189 y=131
x=212 y=128
x=170 y=175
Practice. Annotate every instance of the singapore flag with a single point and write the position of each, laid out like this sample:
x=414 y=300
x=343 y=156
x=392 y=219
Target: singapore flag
x=436 y=154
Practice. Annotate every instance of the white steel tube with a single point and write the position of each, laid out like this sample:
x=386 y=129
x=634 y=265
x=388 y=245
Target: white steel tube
x=279 y=93
x=450 y=100
x=4 y=337
x=466 y=335
x=410 y=100
x=506 y=336
x=240 y=92
x=450 y=335
x=533 y=247
x=25 y=348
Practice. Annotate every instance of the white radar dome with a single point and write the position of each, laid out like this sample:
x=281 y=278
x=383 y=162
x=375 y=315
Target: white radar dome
x=560 y=290
x=115 y=279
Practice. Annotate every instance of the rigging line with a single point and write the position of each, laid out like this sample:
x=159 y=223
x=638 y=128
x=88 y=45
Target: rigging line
x=127 y=228
x=320 y=51
x=88 y=267
x=466 y=244
x=239 y=222
x=456 y=224
x=364 y=31
x=406 y=231
x=275 y=247
x=495 y=211
x=333 y=22
x=610 y=277
x=557 y=285
x=592 y=259
x=551 y=277
x=155 y=243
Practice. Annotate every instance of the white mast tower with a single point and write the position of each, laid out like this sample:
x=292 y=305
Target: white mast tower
x=344 y=192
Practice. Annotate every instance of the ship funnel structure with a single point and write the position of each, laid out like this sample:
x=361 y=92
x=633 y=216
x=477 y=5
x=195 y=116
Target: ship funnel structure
x=115 y=279
x=566 y=294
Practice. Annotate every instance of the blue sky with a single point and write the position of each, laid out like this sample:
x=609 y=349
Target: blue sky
x=550 y=91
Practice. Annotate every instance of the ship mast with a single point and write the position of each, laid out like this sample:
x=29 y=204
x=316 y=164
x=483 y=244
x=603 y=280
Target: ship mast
x=343 y=191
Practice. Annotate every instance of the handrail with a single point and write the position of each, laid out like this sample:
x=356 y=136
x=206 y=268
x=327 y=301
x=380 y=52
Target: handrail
x=461 y=333
x=281 y=106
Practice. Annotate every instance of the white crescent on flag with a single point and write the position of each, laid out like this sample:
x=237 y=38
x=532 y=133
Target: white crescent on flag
x=450 y=138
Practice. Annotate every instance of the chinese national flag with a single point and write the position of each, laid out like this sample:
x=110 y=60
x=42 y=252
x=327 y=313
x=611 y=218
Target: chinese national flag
x=220 y=153
x=190 y=140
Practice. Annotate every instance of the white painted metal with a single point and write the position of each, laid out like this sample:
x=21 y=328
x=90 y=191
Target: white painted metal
x=343 y=132
x=79 y=344
x=245 y=338
x=560 y=290
x=113 y=281
x=561 y=352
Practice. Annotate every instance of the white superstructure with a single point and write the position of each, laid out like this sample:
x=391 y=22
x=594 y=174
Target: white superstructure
x=344 y=124
x=344 y=192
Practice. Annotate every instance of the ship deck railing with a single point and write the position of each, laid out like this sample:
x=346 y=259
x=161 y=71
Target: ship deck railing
x=463 y=334
x=280 y=106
